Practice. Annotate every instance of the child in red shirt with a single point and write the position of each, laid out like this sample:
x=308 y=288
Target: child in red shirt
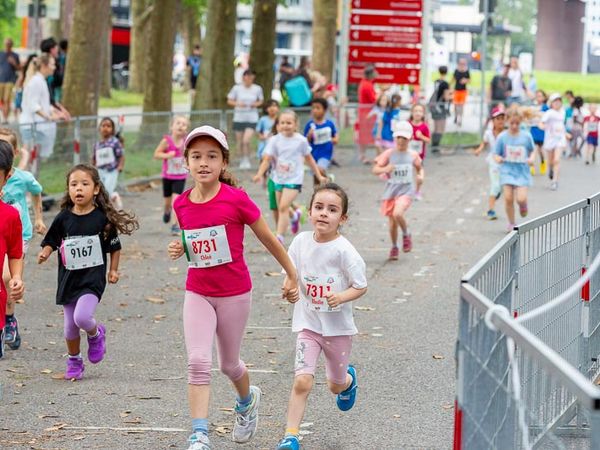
x=11 y=244
x=590 y=126
x=420 y=139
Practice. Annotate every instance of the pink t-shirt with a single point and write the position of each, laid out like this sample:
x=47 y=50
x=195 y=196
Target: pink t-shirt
x=232 y=208
x=424 y=129
x=174 y=168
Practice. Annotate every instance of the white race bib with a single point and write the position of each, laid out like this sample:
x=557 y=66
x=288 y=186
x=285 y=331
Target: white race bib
x=402 y=174
x=105 y=156
x=415 y=146
x=176 y=166
x=206 y=247
x=592 y=126
x=285 y=169
x=516 y=154
x=316 y=288
x=321 y=135
x=81 y=252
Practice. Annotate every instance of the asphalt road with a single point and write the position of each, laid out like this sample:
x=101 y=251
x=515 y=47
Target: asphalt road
x=403 y=354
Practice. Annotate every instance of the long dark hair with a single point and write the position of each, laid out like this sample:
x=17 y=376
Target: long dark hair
x=123 y=222
x=225 y=176
x=336 y=189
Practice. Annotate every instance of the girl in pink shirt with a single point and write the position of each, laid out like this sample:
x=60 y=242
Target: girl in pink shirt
x=212 y=216
x=174 y=172
x=420 y=139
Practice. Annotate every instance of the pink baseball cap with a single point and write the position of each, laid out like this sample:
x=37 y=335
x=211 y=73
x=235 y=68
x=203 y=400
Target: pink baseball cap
x=207 y=130
x=498 y=111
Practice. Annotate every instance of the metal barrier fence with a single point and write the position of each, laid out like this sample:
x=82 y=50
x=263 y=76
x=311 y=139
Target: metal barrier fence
x=526 y=371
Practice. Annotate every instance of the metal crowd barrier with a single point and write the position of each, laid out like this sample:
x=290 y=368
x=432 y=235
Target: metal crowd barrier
x=527 y=372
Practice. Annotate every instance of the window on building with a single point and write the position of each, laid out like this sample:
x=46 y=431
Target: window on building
x=293 y=2
x=283 y=40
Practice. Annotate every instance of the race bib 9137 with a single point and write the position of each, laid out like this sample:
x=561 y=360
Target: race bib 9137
x=402 y=174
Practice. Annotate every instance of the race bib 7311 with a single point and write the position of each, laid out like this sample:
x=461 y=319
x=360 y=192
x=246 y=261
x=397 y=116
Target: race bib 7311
x=316 y=289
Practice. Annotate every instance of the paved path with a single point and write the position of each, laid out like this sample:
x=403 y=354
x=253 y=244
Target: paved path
x=404 y=353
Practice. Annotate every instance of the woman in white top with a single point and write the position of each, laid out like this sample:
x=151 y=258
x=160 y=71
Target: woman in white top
x=38 y=117
x=246 y=97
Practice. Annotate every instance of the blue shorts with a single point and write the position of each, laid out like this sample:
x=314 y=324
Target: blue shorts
x=324 y=163
x=281 y=187
x=592 y=140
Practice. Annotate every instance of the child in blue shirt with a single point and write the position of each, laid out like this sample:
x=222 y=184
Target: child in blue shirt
x=388 y=119
x=322 y=136
x=264 y=127
x=515 y=154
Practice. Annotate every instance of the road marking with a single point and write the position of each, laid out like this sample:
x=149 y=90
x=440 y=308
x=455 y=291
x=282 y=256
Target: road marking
x=460 y=221
x=256 y=327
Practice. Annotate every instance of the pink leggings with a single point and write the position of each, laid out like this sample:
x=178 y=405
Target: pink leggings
x=336 y=349
x=203 y=317
x=79 y=315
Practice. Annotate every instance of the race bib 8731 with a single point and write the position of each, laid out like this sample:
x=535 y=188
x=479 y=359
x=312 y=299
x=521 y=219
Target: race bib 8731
x=81 y=252
x=316 y=289
x=206 y=247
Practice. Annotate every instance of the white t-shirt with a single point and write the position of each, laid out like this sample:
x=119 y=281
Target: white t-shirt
x=555 y=131
x=248 y=96
x=323 y=268
x=36 y=97
x=516 y=79
x=490 y=140
x=288 y=154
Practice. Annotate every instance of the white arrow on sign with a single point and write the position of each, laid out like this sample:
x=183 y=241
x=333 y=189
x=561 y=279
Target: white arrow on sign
x=355 y=34
x=412 y=77
x=357 y=3
x=356 y=19
x=354 y=53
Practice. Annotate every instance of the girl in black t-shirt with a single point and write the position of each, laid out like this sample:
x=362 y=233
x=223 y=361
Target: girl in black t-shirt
x=84 y=231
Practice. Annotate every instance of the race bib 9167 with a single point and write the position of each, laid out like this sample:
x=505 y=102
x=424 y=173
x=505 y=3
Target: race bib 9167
x=81 y=252
x=206 y=247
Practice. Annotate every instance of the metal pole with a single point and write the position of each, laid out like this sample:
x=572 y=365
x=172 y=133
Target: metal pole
x=484 y=34
x=425 y=49
x=585 y=46
x=344 y=38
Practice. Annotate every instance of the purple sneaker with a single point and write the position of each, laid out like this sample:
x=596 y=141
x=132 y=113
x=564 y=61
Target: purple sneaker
x=97 y=346
x=74 y=369
x=295 y=222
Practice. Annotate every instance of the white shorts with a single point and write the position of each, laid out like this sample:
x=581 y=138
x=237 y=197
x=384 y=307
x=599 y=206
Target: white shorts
x=109 y=179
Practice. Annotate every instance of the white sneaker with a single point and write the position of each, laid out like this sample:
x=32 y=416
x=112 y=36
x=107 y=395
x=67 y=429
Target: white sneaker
x=245 y=164
x=199 y=441
x=246 y=423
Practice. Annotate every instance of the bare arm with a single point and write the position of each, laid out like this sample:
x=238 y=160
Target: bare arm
x=25 y=154
x=45 y=254
x=15 y=267
x=378 y=170
x=313 y=166
x=262 y=169
x=39 y=226
x=113 y=273
x=346 y=296
x=160 y=152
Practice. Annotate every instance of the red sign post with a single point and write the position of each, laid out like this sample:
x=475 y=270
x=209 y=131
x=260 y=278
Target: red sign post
x=388 y=34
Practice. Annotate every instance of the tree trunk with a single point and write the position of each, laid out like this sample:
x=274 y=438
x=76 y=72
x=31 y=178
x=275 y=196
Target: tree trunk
x=324 y=31
x=262 y=56
x=82 y=74
x=141 y=11
x=55 y=28
x=190 y=27
x=216 y=74
x=106 y=82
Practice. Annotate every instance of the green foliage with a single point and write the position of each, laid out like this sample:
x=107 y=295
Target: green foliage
x=10 y=25
x=521 y=13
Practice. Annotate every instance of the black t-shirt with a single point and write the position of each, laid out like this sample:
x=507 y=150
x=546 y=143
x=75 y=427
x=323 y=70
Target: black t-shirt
x=441 y=87
x=501 y=85
x=72 y=284
x=458 y=75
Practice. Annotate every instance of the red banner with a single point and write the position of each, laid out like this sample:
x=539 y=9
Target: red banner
x=394 y=5
x=387 y=36
x=386 y=21
x=386 y=75
x=385 y=55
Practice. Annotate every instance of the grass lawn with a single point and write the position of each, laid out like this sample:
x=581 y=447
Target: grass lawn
x=125 y=98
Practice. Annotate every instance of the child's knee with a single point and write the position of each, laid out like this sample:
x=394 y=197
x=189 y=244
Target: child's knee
x=303 y=384
x=233 y=371
x=199 y=366
x=84 y=322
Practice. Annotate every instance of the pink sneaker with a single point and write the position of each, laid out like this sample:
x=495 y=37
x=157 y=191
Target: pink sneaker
x=523 y=210
x=406 y=243
x=74 y=369
x=295 y=222
x=394 y=253
x=97 y=346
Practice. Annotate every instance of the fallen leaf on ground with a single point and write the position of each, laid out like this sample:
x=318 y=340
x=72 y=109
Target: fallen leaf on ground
x=58 y=376
x=364 y=308
x=396 y=416
x=273 y=274
x=57 y=427
x=226 y=409
x=167 y=378
x=124 y=414
x=150 y=397
x=223 y=430
x=377 y=335
x=135 y=420
x=173 y=270
x=155 y=300
x=159 y=316
x=448 y=406
x=46 y=371
x=438 y=357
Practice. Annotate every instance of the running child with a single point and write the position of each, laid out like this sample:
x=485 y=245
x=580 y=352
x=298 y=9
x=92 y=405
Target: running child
x=212 y=216
x=109 y=159
x=11 y=243
x=420 y=138
x=388 y=119
x=541 y=103
x=322 y=136
x=377 y=112
x=265 y=126
x=401 y=167
x=332 y=274
x=590 y=124
x=576 y=128
x=514 y=153
x=174 y=172
x=84 y=231
x=15 y=193
x=288 y=150
x=489 y=140
x=555 y=137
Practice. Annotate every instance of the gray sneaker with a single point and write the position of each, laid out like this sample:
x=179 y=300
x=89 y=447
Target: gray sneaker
x=199 y=441
x=246 y=423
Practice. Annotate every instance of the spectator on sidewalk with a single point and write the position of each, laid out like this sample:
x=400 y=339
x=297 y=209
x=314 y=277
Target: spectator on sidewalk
x=460 y=79
x=439 y=108
x=55 y=80
x=194 y=62
x=367 y=98
x=516 y=79
x=9 y=65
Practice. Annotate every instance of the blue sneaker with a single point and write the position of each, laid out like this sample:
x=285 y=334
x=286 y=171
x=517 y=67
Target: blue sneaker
x=345 y=400
x=289 y=443
x=11 y=333
x=199 y=441
x=491 y=215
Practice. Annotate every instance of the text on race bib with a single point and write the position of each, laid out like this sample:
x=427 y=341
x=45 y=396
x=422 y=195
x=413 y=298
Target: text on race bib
x=285 y=169
x=592 y=126
x=321 y=135
x=81 y=252
x=415 y=146
x=176 y=166
x=105 y=156
x=316 y=289
x=206 y=247
x=516 y=154
x=402 y=174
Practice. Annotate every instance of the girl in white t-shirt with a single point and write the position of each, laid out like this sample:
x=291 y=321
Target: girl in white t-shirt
x=555 y=137
x=332 y=274
x=288 y=150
